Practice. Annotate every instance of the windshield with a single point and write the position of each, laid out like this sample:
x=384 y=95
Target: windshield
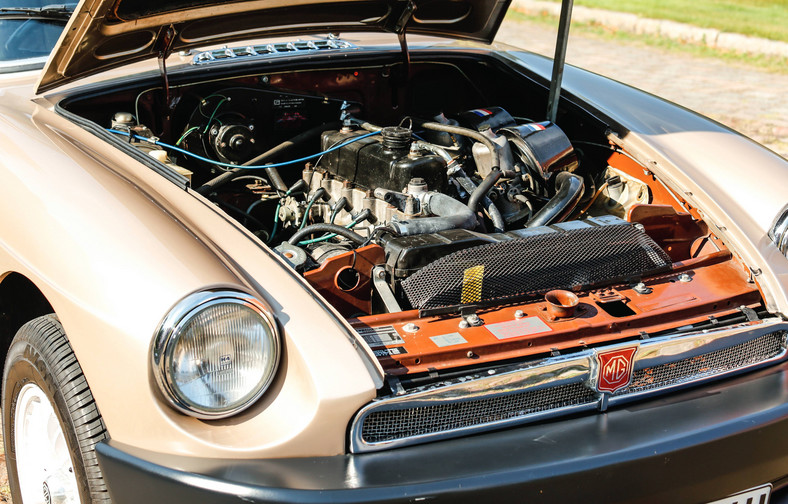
x=29 y=30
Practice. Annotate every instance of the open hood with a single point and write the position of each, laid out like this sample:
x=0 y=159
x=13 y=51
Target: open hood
x=104 y=34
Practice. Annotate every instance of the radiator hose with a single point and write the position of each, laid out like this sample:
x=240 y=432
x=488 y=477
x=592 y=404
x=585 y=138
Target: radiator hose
x=449 y=214
x=568 y=191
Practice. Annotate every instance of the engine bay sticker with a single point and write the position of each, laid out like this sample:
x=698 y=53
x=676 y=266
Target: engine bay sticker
x=388 y=352
x=450 y=339
x=380 y=336
x=519 y=327
x=286 y=102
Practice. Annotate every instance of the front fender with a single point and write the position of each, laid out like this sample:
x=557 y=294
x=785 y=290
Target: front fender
x=113 y=245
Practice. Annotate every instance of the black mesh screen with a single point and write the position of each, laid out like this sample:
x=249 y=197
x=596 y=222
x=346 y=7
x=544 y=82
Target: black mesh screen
x=562 y=259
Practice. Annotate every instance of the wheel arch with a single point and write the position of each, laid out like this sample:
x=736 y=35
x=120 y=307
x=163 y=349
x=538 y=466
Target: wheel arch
x=20 y=302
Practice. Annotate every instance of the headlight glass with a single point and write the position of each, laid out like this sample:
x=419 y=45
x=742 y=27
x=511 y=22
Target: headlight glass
x=216 y=353
x=779 y=231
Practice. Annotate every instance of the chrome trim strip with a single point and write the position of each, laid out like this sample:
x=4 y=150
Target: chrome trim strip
x=249 y=52
x=567 y=369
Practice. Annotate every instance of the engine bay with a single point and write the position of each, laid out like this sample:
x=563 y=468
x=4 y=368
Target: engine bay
x=434 y=208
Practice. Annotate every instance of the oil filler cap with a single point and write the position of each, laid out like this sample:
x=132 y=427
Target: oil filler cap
x=396 y=138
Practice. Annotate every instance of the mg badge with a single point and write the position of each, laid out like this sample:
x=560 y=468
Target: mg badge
x=615 y=369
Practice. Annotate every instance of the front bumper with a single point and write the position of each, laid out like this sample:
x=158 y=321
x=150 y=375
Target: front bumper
x=692 y=446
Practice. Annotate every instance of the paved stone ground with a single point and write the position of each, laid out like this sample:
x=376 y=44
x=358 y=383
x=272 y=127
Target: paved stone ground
x=748 y=100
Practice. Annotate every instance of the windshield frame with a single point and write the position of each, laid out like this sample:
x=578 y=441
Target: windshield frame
x=23 y=64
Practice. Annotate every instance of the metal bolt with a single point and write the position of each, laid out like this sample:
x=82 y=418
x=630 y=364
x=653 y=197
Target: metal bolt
x=519 y=314
x=685 y=277
x=642 y=288
x=264 y=79
x=470 y=354
x=410 y=327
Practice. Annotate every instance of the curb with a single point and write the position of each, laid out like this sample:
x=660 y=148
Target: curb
x=659 y=27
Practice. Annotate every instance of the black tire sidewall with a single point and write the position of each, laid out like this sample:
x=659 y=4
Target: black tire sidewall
x=25 y=363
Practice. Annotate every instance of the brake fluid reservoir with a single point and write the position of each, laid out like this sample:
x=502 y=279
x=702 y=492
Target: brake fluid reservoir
x=162 y=156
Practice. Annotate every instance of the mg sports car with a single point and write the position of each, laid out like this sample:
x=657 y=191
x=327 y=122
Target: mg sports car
x=299 y=251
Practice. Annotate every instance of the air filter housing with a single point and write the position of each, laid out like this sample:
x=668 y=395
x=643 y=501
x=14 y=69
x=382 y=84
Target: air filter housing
x=575 y=255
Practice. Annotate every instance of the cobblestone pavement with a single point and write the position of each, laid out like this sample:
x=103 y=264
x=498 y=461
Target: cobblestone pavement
x=748 y=100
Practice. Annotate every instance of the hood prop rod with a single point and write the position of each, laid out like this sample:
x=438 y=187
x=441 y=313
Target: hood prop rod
x=559 y=59
x=165 y=49
x=399 y=28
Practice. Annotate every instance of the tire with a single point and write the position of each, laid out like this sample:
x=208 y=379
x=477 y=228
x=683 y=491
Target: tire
x=43 y=390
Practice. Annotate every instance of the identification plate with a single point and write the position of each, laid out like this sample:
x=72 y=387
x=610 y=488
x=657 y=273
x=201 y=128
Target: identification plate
x=757 y=495
x=380 y=336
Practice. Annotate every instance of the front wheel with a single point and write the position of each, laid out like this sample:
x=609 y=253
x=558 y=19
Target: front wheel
x=50 y=421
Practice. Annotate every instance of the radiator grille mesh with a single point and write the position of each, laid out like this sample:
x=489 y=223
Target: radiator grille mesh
x=709 y=364
x=386 y=425
x=556 y=259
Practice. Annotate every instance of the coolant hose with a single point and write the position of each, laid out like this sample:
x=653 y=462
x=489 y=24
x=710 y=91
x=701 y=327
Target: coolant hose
x=568 y=191
x=483 y=188
x=458 y=130
x=450 y=214
x=326 y=228
x=273 y=173
x=492 y=210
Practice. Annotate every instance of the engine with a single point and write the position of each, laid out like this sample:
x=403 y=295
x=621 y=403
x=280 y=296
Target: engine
x=433 y=176
x=369 y=217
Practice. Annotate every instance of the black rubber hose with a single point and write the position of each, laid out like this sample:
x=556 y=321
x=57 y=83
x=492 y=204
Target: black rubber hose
x=483 y=188
x=273 y=173
x=273 y=176
x=326 y=228
x=495 y=215
x=451 y=214
x=489 y=206
x=568 y=191
x=459 y=130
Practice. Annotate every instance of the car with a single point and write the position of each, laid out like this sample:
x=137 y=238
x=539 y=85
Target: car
x=350 y=252
x=29 y=32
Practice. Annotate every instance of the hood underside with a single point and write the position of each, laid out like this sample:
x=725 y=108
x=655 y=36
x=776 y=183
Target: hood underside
x=104 y=34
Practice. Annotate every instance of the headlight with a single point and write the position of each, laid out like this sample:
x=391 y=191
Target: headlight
x=779 y=231
x=215 y=353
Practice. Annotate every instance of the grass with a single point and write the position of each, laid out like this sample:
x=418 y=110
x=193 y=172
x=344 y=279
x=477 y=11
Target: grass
x=758 y=18
x=774 y=64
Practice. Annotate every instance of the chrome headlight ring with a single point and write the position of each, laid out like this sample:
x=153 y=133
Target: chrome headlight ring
x=779 y=231
x=215 y=353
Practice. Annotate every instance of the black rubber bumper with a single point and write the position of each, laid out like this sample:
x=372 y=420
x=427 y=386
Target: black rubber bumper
x=693 y=446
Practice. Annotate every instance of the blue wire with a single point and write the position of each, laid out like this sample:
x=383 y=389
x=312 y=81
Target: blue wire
x=228 y=165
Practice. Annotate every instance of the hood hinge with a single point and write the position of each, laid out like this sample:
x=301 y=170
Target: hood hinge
x=407 y=13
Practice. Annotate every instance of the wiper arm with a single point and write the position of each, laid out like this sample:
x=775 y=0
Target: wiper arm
x=62 y=11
